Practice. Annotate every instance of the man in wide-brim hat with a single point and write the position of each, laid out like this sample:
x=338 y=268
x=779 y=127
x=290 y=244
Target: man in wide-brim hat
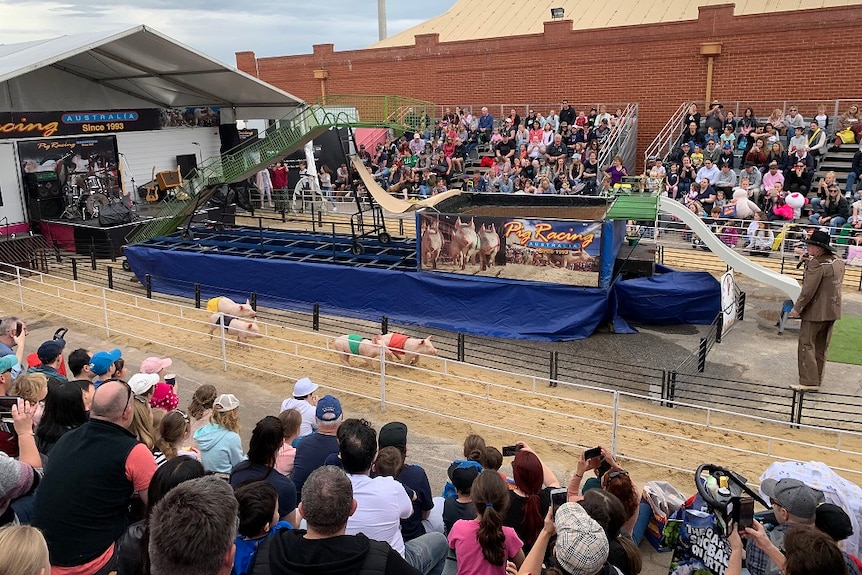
x=819 y=306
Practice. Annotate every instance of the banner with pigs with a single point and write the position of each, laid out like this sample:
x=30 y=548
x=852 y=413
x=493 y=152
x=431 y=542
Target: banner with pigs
x=555 y=251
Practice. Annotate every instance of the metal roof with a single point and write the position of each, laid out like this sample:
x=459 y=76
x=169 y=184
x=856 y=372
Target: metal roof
x=134 y=68
x=475 y=19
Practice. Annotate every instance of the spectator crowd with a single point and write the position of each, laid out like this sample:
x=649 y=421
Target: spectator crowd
x=101 y=472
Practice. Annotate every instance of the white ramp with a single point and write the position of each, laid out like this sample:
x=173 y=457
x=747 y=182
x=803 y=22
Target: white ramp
x=731 y=257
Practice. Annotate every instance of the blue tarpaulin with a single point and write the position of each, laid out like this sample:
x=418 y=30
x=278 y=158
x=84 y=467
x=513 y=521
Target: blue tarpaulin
x=669 y=297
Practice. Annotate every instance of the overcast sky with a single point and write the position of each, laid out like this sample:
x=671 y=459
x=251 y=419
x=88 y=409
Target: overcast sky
x=219 y=28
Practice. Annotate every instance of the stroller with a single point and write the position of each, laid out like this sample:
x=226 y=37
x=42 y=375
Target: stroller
x=697 y=533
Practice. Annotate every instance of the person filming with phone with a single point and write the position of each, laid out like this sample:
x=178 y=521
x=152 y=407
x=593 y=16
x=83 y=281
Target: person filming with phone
x=531 y=498
x=13 y=335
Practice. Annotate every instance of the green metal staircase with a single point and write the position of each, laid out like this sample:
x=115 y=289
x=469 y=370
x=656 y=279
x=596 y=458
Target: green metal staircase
x=287 y=135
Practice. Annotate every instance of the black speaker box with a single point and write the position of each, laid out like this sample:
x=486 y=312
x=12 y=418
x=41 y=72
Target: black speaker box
x=45 y=208
x=229 y=136
x=187 y=163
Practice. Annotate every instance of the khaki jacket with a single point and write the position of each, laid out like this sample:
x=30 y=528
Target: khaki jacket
x=820 y=299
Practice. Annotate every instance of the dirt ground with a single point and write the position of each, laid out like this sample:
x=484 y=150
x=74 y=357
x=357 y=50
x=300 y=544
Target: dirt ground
x=441 y=398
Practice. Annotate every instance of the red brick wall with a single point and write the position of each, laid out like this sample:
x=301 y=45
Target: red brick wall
x=800 y=55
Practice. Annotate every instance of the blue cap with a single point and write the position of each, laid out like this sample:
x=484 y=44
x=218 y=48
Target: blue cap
x=50 y=350
x=328 y=408
x=101 y=362
x=7 y=362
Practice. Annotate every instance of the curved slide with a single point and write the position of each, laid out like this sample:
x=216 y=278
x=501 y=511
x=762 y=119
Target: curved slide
x=732 y=258
x=388 y=202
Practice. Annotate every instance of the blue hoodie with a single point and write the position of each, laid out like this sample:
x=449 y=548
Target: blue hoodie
x=220 y=448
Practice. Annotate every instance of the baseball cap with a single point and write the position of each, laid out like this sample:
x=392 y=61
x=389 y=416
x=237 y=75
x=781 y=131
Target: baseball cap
x=582 y=546
x=393 y=434
x=303 y=387
x=101 y=361
x=225 y=402
x=416 y=136
x=7 y=362
x=141 y=383
x=797 y=498
x=155 y=364
x=50 y=350
x=328 y=408
x=687 y=144
x=833 y=521
x=463 y=477
x=726 y=146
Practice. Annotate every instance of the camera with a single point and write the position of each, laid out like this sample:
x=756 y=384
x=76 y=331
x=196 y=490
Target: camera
x=592 y=453
x=559 y=496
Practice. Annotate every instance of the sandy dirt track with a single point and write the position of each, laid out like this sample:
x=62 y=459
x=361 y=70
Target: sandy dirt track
x=444 y=399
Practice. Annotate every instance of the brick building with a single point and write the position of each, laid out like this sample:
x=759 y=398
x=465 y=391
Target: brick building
x=792 y=55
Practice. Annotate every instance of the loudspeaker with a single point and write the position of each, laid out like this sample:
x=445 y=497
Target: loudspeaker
x=187 y=163
x=168 y=179
x=45 y=208
x=229 y=136
x=42 y=185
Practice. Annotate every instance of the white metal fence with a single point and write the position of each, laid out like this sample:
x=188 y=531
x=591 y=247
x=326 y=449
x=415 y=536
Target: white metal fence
x=569 y=417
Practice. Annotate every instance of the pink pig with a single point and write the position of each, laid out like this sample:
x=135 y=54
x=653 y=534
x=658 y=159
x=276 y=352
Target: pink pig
x=352 y=344
x=242 y=328
x=229 y=307
x=408 y=348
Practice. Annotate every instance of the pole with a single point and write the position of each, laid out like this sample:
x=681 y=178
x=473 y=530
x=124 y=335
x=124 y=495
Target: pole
x=615 y=422
x=382 y=377
x=223 y=345
x=105 y=309
x=381 y=19
x=110 y=277
x=20 y=287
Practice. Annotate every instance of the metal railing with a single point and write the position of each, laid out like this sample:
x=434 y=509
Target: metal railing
x=622 y=141
x=290 y=132
x=663 y=143
x=566 y=414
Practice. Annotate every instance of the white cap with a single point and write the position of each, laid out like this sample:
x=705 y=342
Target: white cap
x=141 y=383
x=226 y=402
x=304 y=387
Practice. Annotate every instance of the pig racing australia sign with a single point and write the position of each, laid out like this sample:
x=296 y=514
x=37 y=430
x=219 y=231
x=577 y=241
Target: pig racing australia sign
x=550 y=237
x=47 y=124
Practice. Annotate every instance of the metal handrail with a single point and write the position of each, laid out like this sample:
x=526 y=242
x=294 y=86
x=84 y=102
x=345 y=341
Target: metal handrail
x=622 y=141
x=663 y=143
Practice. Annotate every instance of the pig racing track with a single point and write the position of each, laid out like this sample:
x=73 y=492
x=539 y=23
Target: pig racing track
x=295 y=271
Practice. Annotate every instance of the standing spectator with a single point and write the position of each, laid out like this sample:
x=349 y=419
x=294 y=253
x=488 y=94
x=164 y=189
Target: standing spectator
x=304 y=401
x=208 y=504
x=263 y=181
x=819 y=307
x=279 y=176
x=219 y=441
x=312 y=450
x=81 y=525
x=13 y=334
x=567 y=114
x=616 y=170
x=715 y=117
x=486 y=126
x=266 y=439
x=693 y=116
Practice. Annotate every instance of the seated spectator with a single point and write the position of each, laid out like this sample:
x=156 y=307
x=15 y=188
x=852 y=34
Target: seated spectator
x=833 y=212
x=707 y=196
x=530 y=499
x=64 y=411
x=219 y=441
x=777 y=154
x=804 y=549
x=81 y=525
x=258 y=520
x=208 y=504
x=775 y=206
x=772 y=176
x=726 y=180
x=849 y=121
x=313 y=450
x=484 y=542
x=726 y=158
x=130 y=559
x=581 y=546
x=50 y=355
x=756 y=155
x=799 y=140
x=616 y=171
x=304 y=401
x=381 y=502
x=728 y=137
x=854 y=178
x=754 y=178
x=760 y=236
x=684 y=150
x=24 y=551
x=801 y=155
x=708 y=172
x=608 y=511
x=201 y=407
x=325 y=549
x=694 y=135
x=32 y=388
x=798 y=178
x=461 y=475
x=19 y=478
x=174 y=433
x=712 y=150
x=291 y=420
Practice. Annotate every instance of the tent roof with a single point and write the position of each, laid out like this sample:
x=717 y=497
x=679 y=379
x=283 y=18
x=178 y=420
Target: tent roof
x=476 y=19
x=134 y=68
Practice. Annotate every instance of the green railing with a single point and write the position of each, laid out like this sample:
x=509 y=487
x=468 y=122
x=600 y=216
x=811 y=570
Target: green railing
x=285 y=136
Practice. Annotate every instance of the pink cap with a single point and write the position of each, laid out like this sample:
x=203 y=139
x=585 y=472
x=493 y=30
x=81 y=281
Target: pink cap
x=155 y=364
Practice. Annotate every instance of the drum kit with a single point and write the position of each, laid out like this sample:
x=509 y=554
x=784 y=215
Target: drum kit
x=88 y=191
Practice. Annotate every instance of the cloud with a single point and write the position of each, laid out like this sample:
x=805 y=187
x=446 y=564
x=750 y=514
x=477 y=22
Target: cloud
x=220 y=28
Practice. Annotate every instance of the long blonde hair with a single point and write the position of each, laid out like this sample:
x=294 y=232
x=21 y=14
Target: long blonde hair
x=29 y=386
x=228 y=419
x=142 y=422
x=24 y=551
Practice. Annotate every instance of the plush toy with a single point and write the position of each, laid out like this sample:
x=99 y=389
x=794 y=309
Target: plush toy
x=745 y=208
x=796 y=201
